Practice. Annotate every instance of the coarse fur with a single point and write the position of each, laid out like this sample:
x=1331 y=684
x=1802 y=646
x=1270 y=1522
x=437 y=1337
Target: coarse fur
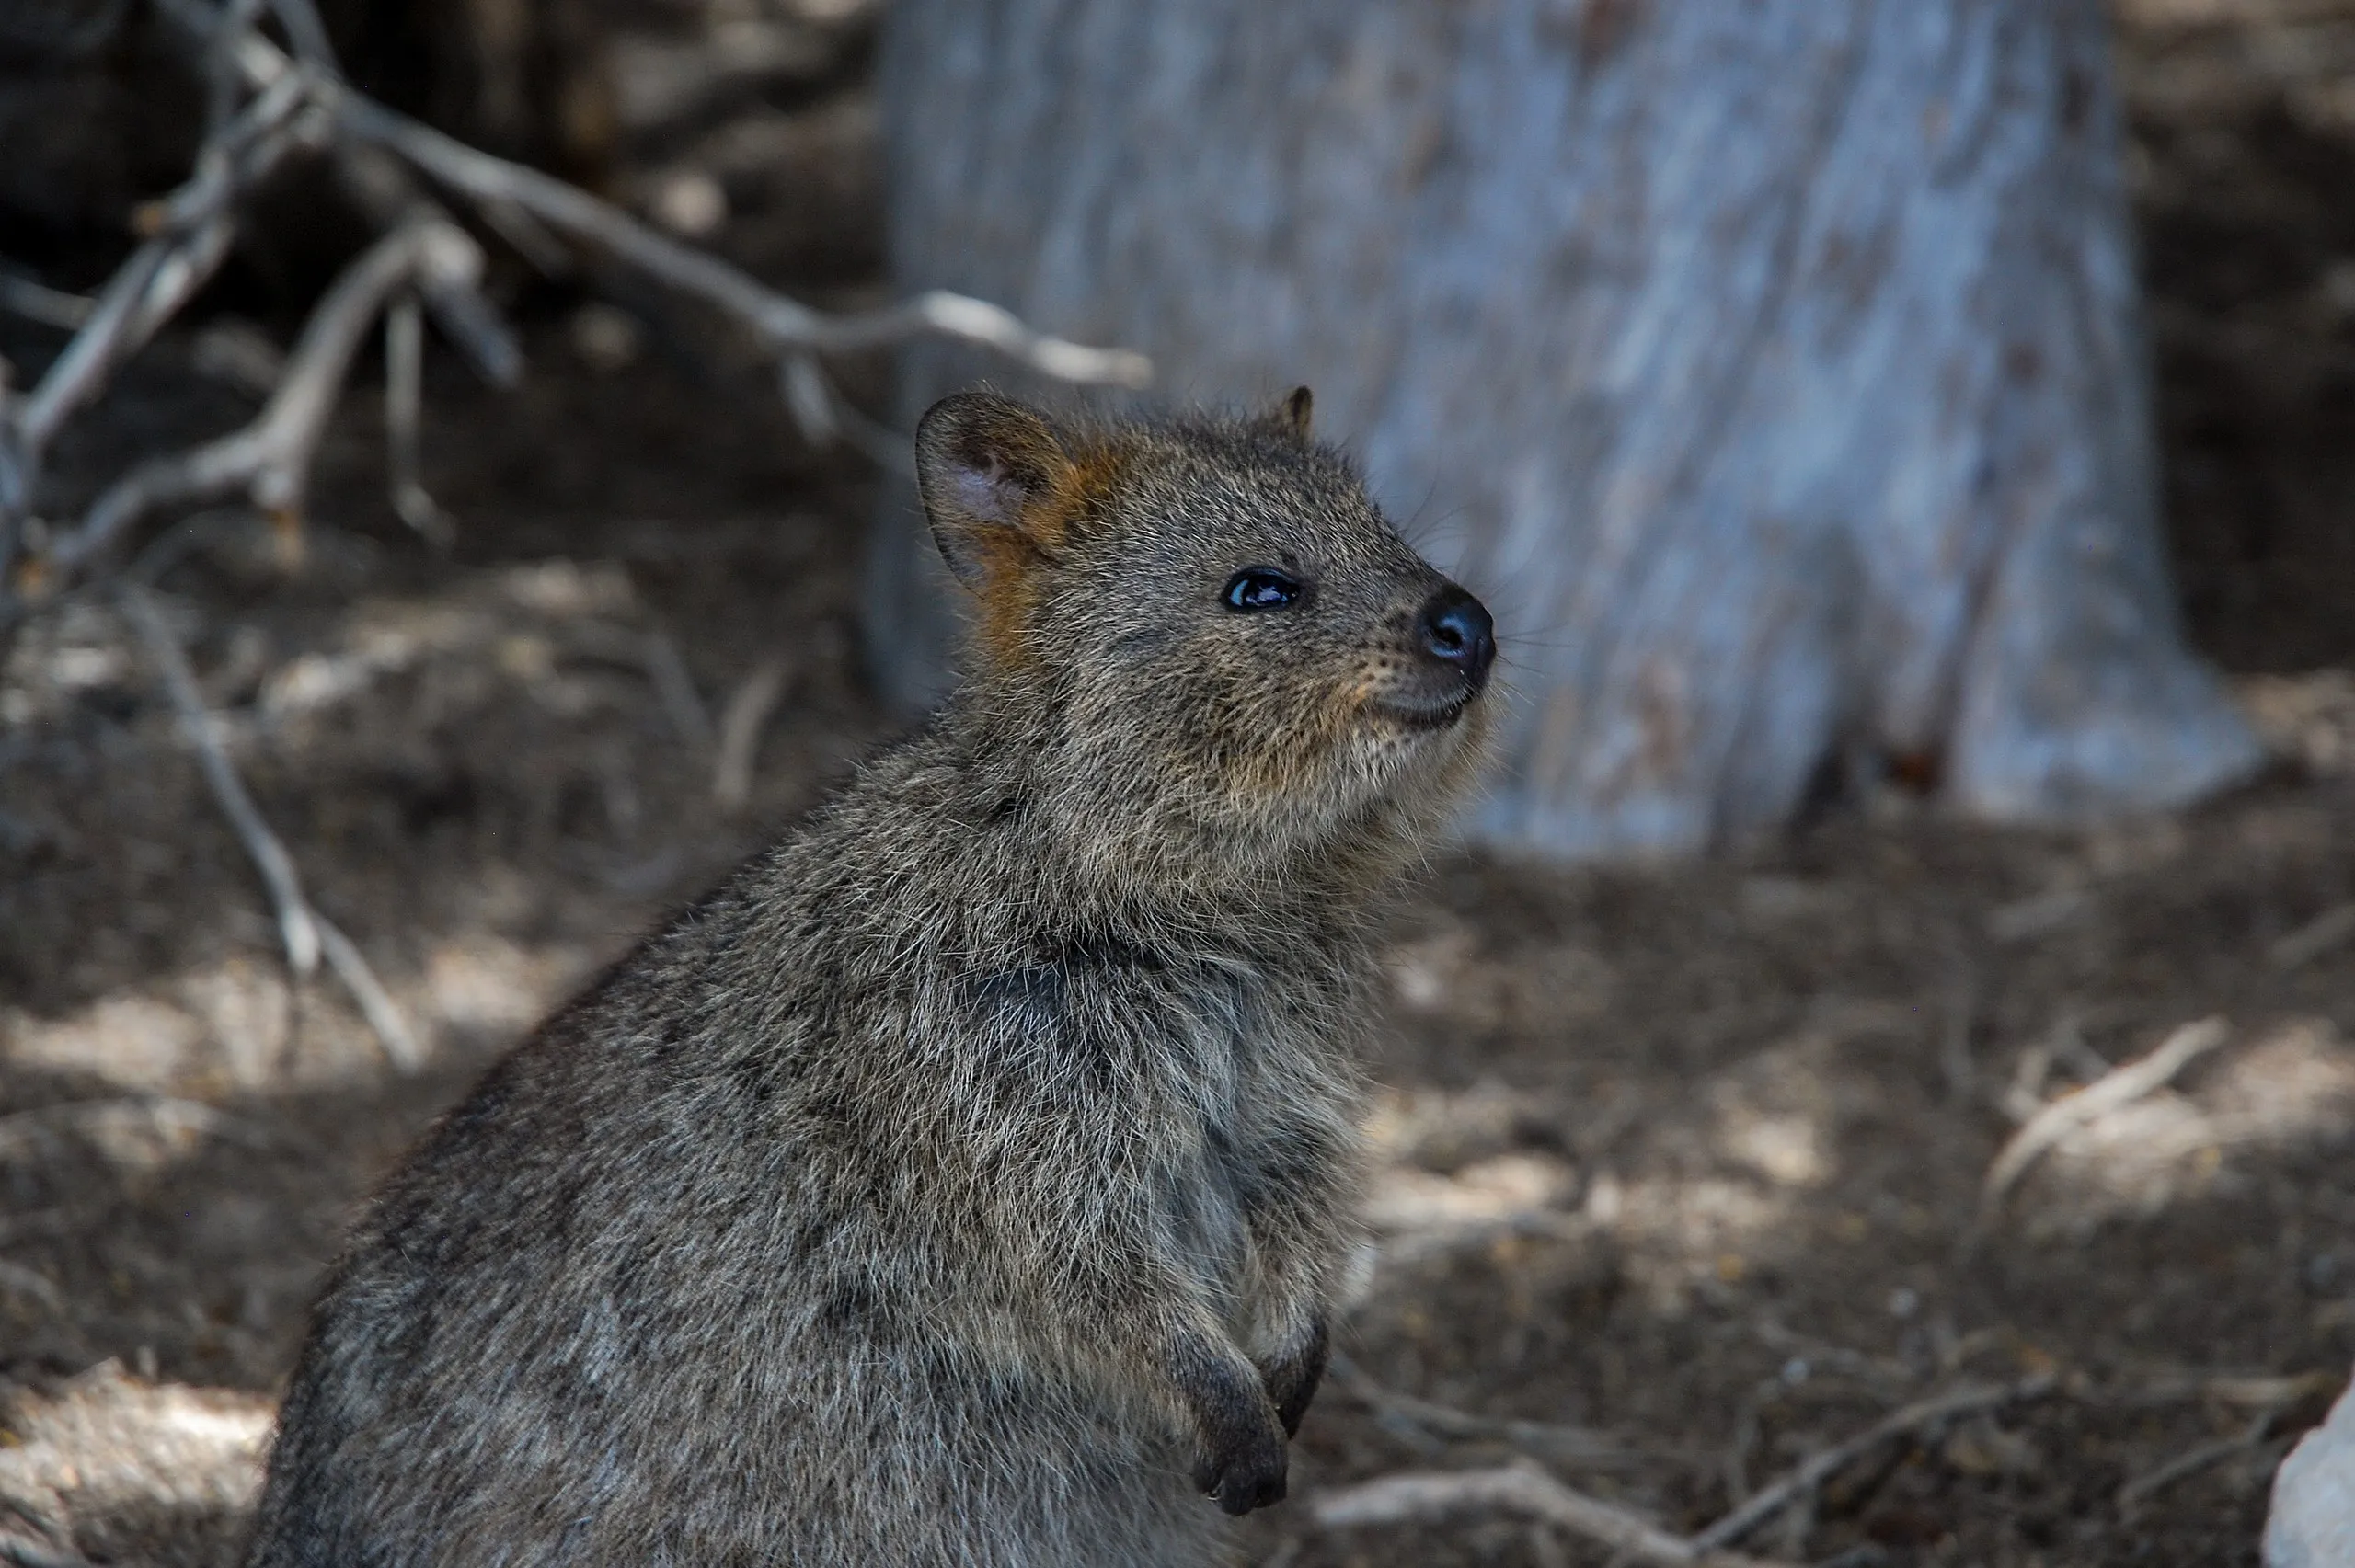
x=967 y=1180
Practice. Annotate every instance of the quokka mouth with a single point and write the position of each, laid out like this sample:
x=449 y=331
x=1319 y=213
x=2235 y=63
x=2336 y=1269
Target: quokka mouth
x=1427 y=715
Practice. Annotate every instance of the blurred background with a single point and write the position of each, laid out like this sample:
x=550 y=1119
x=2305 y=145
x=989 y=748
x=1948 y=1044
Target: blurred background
x=1910 y=450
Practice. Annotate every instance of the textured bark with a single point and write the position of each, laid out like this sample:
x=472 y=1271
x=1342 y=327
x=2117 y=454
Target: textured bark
x=1774 y=371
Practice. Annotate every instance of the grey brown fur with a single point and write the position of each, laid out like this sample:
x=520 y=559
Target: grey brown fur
x=969 y=1179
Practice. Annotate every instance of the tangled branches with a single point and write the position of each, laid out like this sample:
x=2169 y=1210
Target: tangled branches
x=271 y=105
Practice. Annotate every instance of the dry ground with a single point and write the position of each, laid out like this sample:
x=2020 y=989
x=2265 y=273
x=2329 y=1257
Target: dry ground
x=1683 y=1167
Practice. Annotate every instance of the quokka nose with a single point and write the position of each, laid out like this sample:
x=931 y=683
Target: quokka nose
x=1456 y=629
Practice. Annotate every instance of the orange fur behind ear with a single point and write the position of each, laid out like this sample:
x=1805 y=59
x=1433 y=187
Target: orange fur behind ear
x=1013 y=562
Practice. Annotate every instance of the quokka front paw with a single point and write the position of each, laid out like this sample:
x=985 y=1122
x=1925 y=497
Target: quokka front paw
x=1246 y=1475
x=1292 y=1381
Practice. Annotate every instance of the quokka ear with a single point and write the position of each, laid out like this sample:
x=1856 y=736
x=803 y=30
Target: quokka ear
x=1292 y=414
x=984 y=464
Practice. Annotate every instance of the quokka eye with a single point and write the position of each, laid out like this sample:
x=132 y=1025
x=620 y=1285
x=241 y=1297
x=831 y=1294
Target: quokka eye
x=1260 y=587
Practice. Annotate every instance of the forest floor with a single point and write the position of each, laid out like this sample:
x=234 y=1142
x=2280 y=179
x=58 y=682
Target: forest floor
x=1684 y=1171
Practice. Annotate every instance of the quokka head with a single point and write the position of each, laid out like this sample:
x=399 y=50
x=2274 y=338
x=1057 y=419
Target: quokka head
x=1232 y=658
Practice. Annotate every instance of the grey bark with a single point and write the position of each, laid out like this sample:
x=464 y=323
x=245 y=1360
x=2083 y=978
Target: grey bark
x=1774 y=371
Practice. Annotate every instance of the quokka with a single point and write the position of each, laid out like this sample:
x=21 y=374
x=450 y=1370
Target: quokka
x=967 y=1181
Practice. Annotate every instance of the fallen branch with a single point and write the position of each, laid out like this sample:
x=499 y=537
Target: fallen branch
x=1578 y=1444
x=2332 y=927
x=403 y=398
x=2120 y=1087
x=188 y=240
x=780 y=323
x=1920 y=1416
x=21 y=1127
x=2193 y=1461
x=1525 y=1488
x=303 y=932
x=50 y=307
x=667 y=671
x=375 y=1004
x=296 y=930
x=17 y=1278
x=1428 y=1494
x=740 y=723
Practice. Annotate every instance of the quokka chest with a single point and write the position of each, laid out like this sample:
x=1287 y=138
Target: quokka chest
x=1173 y=1037
x=1204 y=1072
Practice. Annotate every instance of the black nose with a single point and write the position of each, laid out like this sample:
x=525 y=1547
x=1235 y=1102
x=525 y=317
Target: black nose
x=1456 y=629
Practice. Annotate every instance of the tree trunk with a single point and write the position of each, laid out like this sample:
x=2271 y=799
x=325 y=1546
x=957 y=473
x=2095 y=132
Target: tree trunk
x=1774 y=371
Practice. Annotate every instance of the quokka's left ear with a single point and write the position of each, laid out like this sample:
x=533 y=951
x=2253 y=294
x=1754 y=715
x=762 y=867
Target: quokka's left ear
x=987 y=466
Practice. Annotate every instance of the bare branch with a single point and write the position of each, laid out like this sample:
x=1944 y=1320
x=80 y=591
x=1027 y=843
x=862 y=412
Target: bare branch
x=1576 y=1444
x=2330 y=929
x=77 y=373
x=2120 y=1087
x=305 y=933
x=1427 y=1494
x=1526 y=1489
x=306 y=31
x=2191 y=1462
x=297 y=104
x=50 y=307
x=222 y=78
x=374 y=1002
x=296 y=930
x=781 y=323
x=1921 y=1416
x=191 y=232
x=272 y=457
x=676 y=689
x=404 y=394
x=385 y=190
x=741 y=724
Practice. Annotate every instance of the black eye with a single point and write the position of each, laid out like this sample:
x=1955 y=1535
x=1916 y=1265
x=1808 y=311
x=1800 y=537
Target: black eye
x=1260 y=587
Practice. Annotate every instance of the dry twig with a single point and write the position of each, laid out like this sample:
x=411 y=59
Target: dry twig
x=1526 y=1489
x=2193 y=1461
x=21 y=1127
x=2120 y=1087
x=1523 y=1488
x=741 y=724
x=16 y=1280
x=272 y=457
x=2332 y=927
x=306 y=934
x=50 y=307
x=1578 y=1444
x=1920 y=1416
x=296 y=930
x=404 y=395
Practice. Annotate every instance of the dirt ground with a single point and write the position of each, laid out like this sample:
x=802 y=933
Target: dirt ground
x=1685 y=1171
